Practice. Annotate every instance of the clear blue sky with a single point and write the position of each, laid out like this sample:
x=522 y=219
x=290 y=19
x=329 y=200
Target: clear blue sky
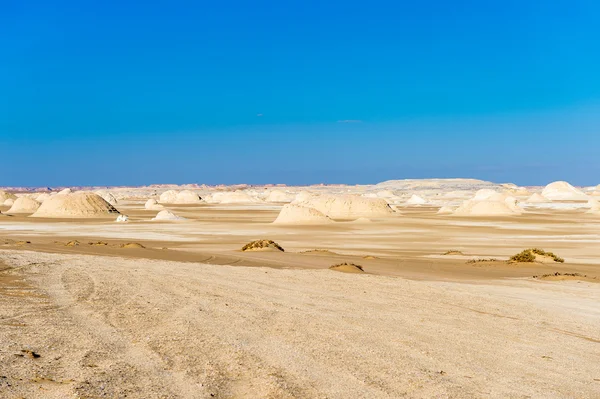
x=124 y=92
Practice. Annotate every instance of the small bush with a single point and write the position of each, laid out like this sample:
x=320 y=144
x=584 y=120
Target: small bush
x=453 y=252
x=348 y=264
x=528 y=256
x=262 y=244
x=478 y=260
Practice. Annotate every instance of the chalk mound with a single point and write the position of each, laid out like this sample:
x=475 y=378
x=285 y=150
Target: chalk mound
x=262 y=245
x=484 y=194
x=187 y=197
x=279 y=196
x=416 y=200
x=167 y=216
x=349 y=206
x=496 y=204
x=594 y=206
x=153 y=205
x=24 y=205
x=5 y=196
x=108 y=197
x=563 y=191
x=65 y=191
x=445 y=210
x=9 y=202
x=76 y=205
x=297 y=214
x=303 y=196
x=122 y=219
x=181 y=197
x=347 y=268
x=42 y=197
x=168 y=197
x=536 y=199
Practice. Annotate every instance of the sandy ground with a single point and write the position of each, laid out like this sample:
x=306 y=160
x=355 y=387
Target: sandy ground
x=120 y=328
x=191 y=316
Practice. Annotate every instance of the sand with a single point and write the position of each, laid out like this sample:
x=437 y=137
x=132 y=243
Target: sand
x=348 y=206
x=295 y=214
x=24 y=205
x=176 y=310
x=486 y=203
x=187 y=330
x=153 y=205
x=6 y=196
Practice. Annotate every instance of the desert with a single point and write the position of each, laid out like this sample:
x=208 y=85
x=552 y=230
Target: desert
x=299 y=199
x=301 y=291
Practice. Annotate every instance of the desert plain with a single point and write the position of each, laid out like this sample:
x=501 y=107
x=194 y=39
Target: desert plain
x=404 y=288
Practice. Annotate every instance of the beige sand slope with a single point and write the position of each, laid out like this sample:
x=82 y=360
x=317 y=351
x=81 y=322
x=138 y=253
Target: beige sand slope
x=153 y=205
x=297 y=214
x=187 y=330
x=5 y=196
x=536 y=199
x=348 y=206
x=76 y=205
x=24 y=205
x=489 y=204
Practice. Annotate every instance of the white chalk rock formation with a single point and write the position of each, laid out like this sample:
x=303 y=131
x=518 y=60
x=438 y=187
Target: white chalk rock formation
x=349 y=206
x=484 y=194
x=445 y=210
x=9 y=202
x=65 y=191
x=76 y=205
x=166 y=215
x=153 y=205
x=168 y=197
x=24 y=205
x=303 y=196
x=594 y=206
x=108 y=197
x=416 y=200
x=563 y=191
x=187 y=197
x=42 y=197
x=297 y=214
x=5 y=196
x=494 y=205
x=122 y=219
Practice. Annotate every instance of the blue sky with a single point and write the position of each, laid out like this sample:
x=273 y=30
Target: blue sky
x=297 y=92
